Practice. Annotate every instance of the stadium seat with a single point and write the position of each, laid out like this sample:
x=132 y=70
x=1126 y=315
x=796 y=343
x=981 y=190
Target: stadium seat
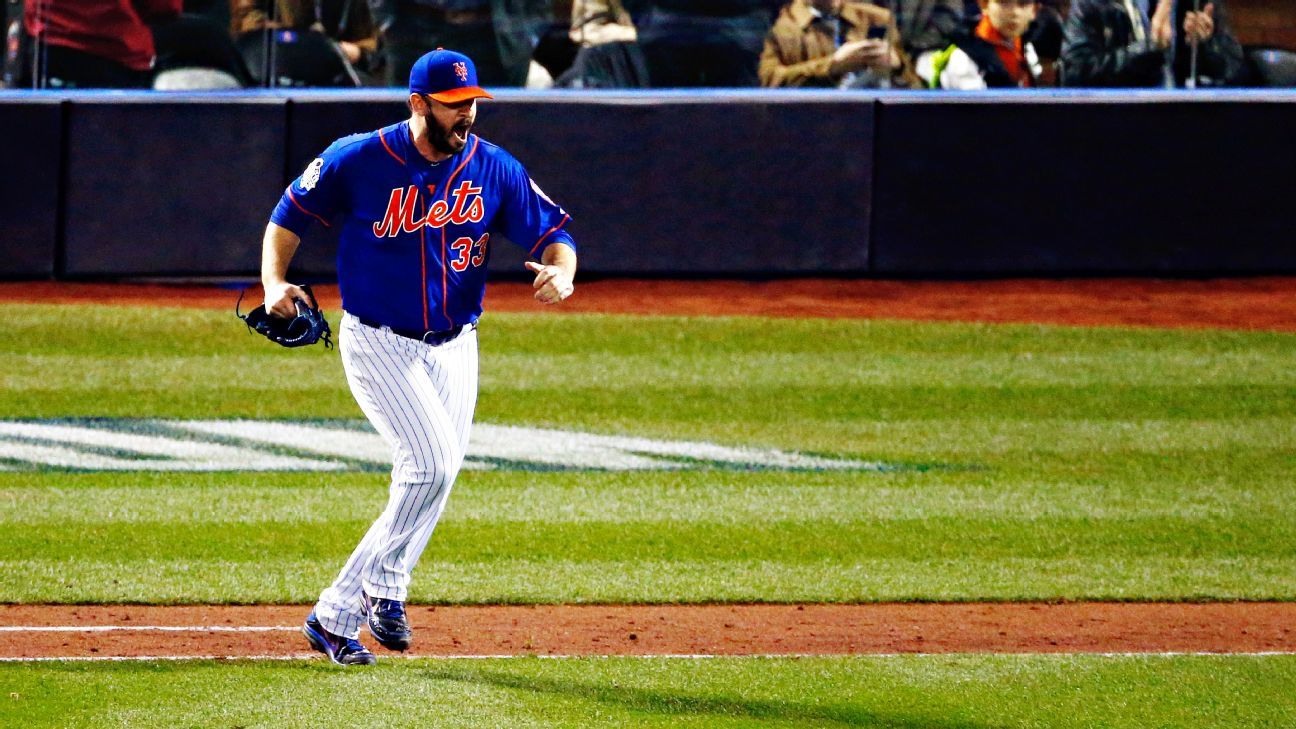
x=1273 y=66
x=194 y=79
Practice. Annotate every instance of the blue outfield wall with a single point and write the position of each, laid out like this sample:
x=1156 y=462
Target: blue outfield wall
x=1168 y=183
x=739 y=183
x=162 y=187
x=31 y=151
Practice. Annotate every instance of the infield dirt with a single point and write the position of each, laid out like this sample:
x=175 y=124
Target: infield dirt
x=736 y=630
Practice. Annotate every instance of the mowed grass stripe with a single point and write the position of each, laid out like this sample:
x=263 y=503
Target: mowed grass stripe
x=615 y=498
x=794 y=405
x=450 y=579
x=790 y=542
x=623 y=371
x=935 y=692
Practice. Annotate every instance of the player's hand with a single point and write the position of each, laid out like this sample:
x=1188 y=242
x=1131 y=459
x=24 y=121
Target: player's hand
x=1199 y=27
x=552 y=283
x=279 y=299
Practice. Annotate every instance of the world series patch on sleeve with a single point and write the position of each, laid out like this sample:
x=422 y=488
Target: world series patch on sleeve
x=305 y=329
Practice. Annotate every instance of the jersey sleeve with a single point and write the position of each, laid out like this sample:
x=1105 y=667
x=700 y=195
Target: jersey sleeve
x=313 y=197
x=527 y=216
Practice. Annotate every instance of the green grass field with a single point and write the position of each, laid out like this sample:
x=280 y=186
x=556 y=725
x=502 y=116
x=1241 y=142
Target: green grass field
x=908 y=692
x=1024 y=462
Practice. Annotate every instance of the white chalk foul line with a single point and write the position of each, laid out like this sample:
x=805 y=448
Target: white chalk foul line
x=656 y=656
x=700 y=656
x=118 y=659
x=147 y=628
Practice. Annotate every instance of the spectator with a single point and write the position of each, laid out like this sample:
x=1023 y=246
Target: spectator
x=702 y=42
x=989 y=53
x=1045 y=35
x=595 y=22
x=1117 y=43
x=346 y=22
x=609 y=55
x=835 y=43
x=95 y=43
x=499 y=35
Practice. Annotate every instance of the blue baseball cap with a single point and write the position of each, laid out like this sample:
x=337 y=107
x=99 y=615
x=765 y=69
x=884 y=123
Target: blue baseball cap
x=446 y=76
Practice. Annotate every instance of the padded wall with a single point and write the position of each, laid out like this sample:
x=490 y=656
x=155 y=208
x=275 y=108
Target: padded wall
x=674 y=183
x=1083 y=186
x=171 y=186
x=724 y=184
x=30 y=132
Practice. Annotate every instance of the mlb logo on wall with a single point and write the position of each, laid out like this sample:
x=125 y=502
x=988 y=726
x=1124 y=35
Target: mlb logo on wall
x=461 y=70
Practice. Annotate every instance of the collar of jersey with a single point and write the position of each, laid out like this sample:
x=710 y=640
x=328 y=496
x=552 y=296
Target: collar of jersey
x=406 y=149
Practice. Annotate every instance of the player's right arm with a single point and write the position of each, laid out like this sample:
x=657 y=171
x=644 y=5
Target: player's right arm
x=277 y=249
x=312 y=197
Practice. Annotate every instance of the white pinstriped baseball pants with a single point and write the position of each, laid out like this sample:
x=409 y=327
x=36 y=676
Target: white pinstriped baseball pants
x=420 y=399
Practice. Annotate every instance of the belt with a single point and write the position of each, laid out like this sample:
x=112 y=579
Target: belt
x=451 y=17
x=428 y=336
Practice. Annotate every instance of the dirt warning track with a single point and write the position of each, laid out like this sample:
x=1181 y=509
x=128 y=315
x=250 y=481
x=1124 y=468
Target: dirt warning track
x=123 y=631
x=1264 y=303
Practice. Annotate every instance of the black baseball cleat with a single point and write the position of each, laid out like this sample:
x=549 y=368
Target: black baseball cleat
x=342 y=651
x=388 y=624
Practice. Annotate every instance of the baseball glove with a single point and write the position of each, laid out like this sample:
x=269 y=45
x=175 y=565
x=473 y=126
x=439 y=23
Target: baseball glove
x=305 y=329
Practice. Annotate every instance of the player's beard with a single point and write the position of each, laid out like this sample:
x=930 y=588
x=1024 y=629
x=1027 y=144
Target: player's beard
x=447 y=140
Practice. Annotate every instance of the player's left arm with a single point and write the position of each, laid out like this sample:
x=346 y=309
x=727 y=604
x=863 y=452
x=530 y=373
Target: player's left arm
x=535 y=222
x=555 y=273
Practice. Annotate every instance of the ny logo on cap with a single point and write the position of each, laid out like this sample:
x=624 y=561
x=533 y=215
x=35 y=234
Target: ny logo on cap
x=461 y=70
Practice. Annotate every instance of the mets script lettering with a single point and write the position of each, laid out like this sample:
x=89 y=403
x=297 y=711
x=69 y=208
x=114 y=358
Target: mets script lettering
x=403 y=210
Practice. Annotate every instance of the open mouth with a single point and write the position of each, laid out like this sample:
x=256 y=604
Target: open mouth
x=460 y=131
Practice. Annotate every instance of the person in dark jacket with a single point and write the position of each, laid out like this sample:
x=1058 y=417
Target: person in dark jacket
x=1129 y=43
x=925 y=25
x=702 y=42
x=499 y=35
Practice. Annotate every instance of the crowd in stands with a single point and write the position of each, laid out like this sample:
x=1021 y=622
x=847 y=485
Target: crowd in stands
x=888 y=44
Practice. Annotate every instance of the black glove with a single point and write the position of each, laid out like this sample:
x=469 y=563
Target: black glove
x=307 y=328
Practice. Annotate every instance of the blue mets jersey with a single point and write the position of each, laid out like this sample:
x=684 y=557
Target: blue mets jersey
x=415 y=236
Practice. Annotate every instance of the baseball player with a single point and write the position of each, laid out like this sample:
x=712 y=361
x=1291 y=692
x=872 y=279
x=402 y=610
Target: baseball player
x=419 y=204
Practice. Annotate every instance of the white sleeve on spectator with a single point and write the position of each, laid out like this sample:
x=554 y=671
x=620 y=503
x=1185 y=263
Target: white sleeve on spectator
x=962 y=74
x=925 y=67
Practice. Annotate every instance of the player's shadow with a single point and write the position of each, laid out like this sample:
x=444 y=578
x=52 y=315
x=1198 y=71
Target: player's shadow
x=674 y=704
